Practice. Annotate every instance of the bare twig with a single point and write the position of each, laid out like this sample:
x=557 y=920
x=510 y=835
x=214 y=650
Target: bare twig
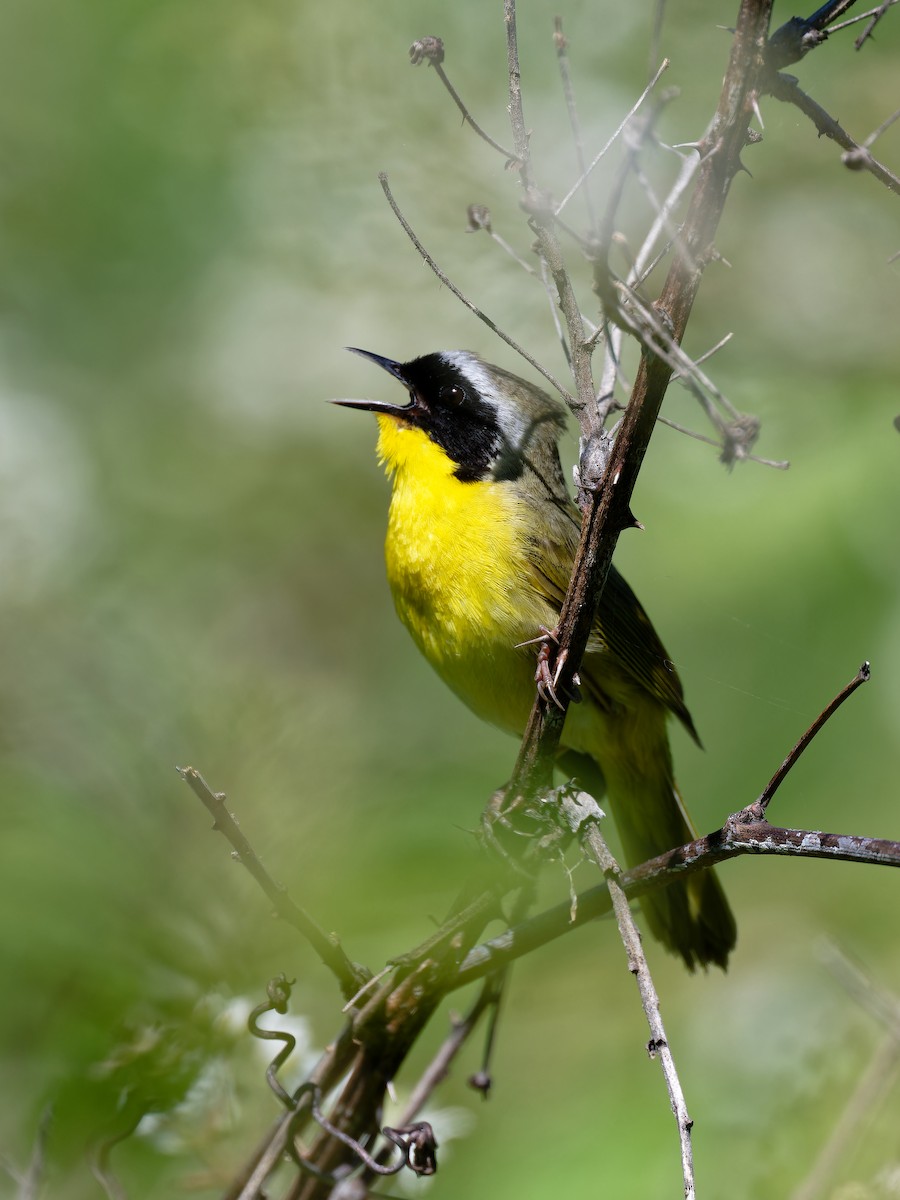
x=516 y=114
x=873 y=12
x=596 y=848
x=875 y=16
x=861 y=676
x=856 y=157
x=562 y=56
x=542 y=218
x=582 y=180
x=690 y=164
x=885 y=124
x=431 y=50
x=439 y=1067
x=478 y=218
x=777 y=464
x=349 y=975
x=659 y=13
x=733 y=839
x=473 y=308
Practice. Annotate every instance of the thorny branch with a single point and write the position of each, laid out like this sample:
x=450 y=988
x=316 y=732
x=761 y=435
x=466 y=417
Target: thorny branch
x=610 y=513
x=792 y=42
x=856 y=157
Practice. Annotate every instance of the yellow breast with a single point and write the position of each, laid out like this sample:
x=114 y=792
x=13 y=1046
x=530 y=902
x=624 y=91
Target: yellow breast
x=457 y=563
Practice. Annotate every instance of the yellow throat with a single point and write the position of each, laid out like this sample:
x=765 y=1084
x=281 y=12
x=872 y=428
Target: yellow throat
x=458 y=568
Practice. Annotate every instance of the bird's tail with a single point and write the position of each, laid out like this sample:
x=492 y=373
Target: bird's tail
x=691 y=916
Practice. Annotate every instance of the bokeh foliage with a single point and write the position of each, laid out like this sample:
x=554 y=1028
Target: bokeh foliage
x=190 y=571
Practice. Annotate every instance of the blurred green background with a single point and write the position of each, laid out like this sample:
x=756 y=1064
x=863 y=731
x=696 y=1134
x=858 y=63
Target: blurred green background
x=191 y=229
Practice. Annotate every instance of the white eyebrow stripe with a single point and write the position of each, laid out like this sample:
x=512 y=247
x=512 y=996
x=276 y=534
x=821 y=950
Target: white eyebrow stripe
x=514 y=424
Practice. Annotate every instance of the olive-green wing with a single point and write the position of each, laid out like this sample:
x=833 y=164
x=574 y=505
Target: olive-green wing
x=627 y=632
x=621 y=626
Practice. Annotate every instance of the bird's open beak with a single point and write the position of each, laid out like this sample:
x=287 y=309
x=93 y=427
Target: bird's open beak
x=392 y=368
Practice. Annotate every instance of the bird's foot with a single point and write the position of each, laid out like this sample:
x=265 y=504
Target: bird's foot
x=550 y=665
x=547 y=674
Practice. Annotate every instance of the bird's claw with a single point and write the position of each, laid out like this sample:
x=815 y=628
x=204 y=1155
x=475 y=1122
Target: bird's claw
x=547 y=675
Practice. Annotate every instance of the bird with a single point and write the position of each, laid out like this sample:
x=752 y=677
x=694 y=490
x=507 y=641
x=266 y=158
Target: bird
x=481 y=538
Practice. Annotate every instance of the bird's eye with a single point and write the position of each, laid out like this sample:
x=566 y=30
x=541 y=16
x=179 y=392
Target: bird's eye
x=453 y=394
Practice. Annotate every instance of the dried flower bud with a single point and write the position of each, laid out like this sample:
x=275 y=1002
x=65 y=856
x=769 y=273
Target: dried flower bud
x=430 y=48
x=479 y=217
x=480 y=1082
x=738 y=438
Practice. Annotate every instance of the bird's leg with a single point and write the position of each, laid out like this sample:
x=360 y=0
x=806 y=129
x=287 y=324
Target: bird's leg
x=547 y=672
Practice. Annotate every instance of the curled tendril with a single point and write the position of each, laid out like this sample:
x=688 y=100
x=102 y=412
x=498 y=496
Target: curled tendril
x=416 y=1141
x=279 y=992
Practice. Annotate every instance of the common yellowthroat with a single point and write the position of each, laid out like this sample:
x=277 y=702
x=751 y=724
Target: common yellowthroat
x=481 y=538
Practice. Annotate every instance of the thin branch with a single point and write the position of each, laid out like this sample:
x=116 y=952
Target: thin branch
x=439 y=1067
x=856 y=157
x=885 y=124
x=596 y=848
x=473 y=308
x=554 y=314
x=516 y=113
x=562 y=56
x=659 y=13
x=876 y=15
x=733 y=839
x=431 y=50
x=478 y=220
x=861 y=676
x=349 y=975
x=664 y=66
x=542 y=220
x=690 y=164
x=778 y=465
